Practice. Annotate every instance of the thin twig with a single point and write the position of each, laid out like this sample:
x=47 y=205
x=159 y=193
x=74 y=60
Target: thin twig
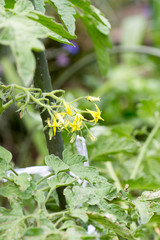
x=113 y=175
x=144 y=149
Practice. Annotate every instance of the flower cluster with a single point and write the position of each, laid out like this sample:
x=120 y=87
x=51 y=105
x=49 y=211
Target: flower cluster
x=72 y=119
x=62 y=114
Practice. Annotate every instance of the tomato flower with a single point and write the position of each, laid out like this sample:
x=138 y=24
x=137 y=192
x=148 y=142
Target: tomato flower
x=95 y=114
x=68 y=109
x=53 y=125
x=93 y=99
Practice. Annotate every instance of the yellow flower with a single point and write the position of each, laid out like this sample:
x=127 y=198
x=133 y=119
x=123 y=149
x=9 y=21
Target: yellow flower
x=54 y=124
x=49 y=122
x=93 y=99
x=96 y=115
x=79 y=117
x=68 y=109
x=60 y=116
x=91 y=136
x=76 y=125
x=66 y=123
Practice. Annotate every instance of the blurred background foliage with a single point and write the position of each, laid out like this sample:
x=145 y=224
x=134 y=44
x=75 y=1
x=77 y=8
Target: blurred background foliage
x=133 y=74
x=129 y=97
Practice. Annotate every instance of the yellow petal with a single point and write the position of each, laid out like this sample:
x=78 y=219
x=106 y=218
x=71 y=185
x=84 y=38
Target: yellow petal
x=91 y=136
x=68 y=109
x=49 y=122
x=59 y=117
x=79 y=117
x=93 y=99
x=54 y=130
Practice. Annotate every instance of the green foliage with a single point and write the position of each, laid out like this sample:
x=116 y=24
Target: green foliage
x=95 y=204
x=79 y=200
x=149 y=109
x=5 y=158
x=148 y=204
x=125 y=154
x=22 y=25
x=98 y=28
x=106 y=146
x=67 y=12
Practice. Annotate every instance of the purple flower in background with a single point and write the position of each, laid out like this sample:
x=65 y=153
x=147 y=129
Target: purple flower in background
x=71 y=49
x=147 y=12
x=62 y=60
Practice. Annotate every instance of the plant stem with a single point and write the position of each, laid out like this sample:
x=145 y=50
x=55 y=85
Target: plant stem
x=143 y=150
x=51 y=215
x=113 y=175
x=49 y=194
x=6 y=105
x=42 y=80
x=60 y=220
x=8 y=179
x=14 y=171
x=44 y=178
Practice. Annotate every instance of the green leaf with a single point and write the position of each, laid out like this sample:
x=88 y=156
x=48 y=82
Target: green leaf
x=40 y=6
x=83 y=4
x=28 y=193
x=72 y=159
x=23 y=7
x=76 y=196
x=144 y=210
x=62 y=179
x=9 y=190
x=56 y=164
x=150 y=195
x=73 y=234
x=2 y=96
x=19 y=32
x=98 y=29
x=92 y=195
x=34 y=232
x=12 y=225
x=105 y=190
x=5 y=158
x=103 y=23
x=5 y=154
x=149 y=108
x=56 y=32
x=16 y=206
x=109 y=221
x=147 y=205
x=39 y=197
x=2 y=3
x=111 y=145
x=123 y=130
x=66 y=12
x=115 y=210
x=143 y=183
x=85 y=173
x=100 y=42
x=8 y=3
x=23 y=181
x=68 y=224
x=79 y=213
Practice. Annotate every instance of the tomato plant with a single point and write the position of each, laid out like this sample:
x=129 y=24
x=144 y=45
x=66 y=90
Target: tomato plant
x=67 y=198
